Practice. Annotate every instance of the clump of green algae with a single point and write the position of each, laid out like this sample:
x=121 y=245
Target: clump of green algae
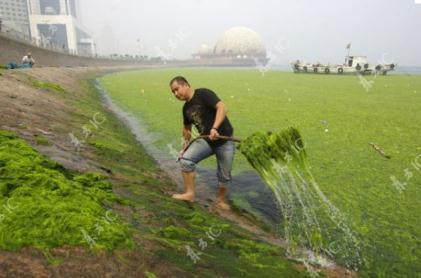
x=309 y=219
x=49 y=86
x=45 y=206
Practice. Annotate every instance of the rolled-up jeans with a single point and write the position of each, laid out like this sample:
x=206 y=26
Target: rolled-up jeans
x=200 y=149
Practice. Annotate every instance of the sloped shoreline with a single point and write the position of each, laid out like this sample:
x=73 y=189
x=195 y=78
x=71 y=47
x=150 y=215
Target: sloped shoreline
x=47 y=119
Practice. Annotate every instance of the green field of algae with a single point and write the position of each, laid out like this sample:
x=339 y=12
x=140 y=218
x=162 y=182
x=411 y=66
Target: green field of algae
x=341 y=119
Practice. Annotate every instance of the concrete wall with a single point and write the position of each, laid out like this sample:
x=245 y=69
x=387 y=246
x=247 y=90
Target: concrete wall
x=13 y=51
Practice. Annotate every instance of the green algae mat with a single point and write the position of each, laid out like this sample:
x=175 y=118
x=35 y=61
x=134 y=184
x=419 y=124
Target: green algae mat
x=45 y=206
x=338 y=119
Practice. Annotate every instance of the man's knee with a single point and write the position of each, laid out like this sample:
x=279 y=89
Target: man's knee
x=187 y=165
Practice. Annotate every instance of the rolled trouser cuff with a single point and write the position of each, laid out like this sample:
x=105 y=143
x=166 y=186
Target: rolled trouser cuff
x=224 y=181
x=226 y=184
x=187 y=165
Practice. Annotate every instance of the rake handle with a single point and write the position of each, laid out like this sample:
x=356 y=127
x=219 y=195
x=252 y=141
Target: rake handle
x=234 y=139
x=206 y=136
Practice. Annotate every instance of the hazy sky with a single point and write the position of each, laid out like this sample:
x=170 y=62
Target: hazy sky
x=311 y=30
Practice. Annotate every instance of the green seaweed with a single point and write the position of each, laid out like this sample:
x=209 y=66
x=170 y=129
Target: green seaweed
x=196 y=218
x=41 y=140
x=45 y=206
x=149 y=274
x=174 y=232
x=285 y=147
x=98 y=145
x=308 y=218
x=49 y=86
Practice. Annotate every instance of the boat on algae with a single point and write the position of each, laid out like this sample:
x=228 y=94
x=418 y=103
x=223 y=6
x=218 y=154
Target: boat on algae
x=356 y=65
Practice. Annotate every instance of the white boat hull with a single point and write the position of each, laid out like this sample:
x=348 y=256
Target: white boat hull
x=357 y=65
x=322 y=69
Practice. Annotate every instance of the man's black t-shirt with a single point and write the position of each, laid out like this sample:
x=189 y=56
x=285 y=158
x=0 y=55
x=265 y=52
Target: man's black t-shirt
x=200 y=110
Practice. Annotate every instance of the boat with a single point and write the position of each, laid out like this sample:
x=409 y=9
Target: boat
x=356 y=65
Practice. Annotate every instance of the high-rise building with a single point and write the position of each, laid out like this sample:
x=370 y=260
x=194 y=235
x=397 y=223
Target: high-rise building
x=14 y=15
x=58 y=22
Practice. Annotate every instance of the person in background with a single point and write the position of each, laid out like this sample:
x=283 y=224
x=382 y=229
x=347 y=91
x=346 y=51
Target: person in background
x=28 y=60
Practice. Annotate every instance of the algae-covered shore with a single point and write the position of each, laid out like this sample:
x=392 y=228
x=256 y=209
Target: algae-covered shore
x=345 y=129
x=81 y=198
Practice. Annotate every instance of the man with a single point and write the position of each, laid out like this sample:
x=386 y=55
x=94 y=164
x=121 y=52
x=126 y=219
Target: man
x=28 y=60
x=204 y=110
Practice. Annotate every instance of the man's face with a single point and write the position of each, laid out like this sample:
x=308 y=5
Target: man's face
x=180 y=91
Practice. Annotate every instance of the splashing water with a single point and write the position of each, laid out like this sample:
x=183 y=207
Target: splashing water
x=308 y=219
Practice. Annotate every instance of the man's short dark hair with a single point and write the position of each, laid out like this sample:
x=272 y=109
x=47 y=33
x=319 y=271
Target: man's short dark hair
x=180 y=80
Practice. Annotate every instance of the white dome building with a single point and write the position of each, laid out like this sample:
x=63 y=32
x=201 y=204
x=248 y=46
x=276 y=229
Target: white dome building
x=239 y=46
x=240 y=42
x=204 y=50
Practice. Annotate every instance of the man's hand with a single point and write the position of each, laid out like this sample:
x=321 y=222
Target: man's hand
x=213 y=134
x=184 y=148
x=221 y=112
x=180 y=154
x=186 y=141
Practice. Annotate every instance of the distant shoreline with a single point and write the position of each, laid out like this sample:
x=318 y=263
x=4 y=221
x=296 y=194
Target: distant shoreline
x=412 y=70
x=407 y=70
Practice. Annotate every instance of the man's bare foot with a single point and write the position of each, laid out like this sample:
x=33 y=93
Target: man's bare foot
x=189 y=197
x=222 y=205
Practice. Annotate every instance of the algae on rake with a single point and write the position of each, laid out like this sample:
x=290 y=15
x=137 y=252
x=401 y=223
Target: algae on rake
x=45 y=206
x=309 y=219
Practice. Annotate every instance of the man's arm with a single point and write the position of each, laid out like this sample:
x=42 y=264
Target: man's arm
x=221 y=112
x=186 y=135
